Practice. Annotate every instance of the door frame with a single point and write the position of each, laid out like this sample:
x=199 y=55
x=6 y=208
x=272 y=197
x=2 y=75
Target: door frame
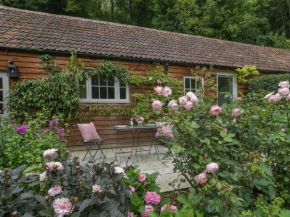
x=234 y=79
x=5 y=80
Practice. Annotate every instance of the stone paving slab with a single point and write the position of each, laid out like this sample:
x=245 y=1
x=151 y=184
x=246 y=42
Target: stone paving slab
x=150 y=164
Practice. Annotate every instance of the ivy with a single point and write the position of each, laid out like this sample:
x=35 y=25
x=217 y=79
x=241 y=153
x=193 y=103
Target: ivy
x=244 y=73
x=113 y=70
x=58 y=92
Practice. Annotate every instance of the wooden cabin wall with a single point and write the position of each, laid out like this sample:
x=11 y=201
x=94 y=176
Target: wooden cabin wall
x=29 y=67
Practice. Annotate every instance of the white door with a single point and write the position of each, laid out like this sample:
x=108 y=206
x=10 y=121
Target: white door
x=227 y=83
x=4 y=88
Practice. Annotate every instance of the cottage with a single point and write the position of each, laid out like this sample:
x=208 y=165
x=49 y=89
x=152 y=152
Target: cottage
x=25 y=35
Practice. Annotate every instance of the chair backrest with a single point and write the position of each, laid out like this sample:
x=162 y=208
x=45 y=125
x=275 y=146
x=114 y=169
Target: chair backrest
x=89 y=132
x=164 y=129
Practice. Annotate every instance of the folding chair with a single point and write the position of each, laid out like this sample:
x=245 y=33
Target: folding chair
x=164 y=132
x=91 y=138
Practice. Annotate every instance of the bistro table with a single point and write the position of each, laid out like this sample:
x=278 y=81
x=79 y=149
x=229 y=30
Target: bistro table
x=135 y=131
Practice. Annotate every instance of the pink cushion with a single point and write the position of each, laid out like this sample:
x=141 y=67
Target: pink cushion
x=164 y=129
x=88 y=132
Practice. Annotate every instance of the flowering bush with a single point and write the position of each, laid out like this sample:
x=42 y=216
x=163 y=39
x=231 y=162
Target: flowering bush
x=65 y=189
x=24 y=143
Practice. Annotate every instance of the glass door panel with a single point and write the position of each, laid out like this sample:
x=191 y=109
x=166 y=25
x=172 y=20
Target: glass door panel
x=225 y=85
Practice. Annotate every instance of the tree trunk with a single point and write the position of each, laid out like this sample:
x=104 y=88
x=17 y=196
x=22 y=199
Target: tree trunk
x=112 y=10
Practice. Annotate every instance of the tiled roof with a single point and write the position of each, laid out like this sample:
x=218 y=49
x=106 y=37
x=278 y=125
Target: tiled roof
x=23 y=29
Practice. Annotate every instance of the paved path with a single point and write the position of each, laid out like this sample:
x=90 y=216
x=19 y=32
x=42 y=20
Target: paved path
x=150 y=164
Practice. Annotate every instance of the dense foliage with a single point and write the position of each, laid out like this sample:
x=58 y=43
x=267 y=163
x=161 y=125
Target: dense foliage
x=266 y=83
x=57 y=92
x=262 y=22
x=23 y=143
x=235 y=156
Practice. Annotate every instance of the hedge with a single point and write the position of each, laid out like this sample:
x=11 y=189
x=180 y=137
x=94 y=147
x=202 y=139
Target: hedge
x=267 y=83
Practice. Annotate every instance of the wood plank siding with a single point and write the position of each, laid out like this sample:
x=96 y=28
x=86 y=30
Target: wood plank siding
x=29 y=67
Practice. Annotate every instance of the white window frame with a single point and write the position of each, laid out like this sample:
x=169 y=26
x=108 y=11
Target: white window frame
x=5 y=78
x=192 y=77
x=117 y=93
x=235 y=83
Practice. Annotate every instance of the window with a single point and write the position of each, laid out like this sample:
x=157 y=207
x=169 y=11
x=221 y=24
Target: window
x=4 y=87
x=190 y=84
x=103 y=89
x=226 y=84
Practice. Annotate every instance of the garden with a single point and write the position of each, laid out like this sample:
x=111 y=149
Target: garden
x=234 y=156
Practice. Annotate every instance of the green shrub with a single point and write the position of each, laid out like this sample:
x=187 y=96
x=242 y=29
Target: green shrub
x=24 y=143
x=267 y=83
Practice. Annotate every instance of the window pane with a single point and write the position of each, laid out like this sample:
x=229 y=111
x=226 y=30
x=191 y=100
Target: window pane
x=1 y=83
x=1 y=96
x=123 y=94
x=103 y=81
x=187 y=84
x=225 y=84
x=83 y=92
x=193 y=87
x=111 y=93
x=103 y=92
x=95 y=80
x=122 y=84
x=95 y=93
x=187 y=90
x=111 y=82
x=1 y=106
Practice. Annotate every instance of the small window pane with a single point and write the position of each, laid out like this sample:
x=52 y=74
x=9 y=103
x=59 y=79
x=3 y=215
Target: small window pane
x=122 y=84
x=123 y=94
x=83 y=92
x=1 y=96
x=111 y=93
x=95 y=93
x=193 y=87
x=103 y=93
x=1 y=83
x=103 y=81
x=111 y=82
x=187 y=83
x=187 y=90
x=1 y=107
x=95 y=80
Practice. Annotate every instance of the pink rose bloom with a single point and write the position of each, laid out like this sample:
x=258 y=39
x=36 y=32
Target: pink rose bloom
x=132 y=188
x=62 y=206
x=173 y=105
x=272 y=99
x=130 y=214
x=55 y=190
x=226 y=129
x=158 y=81
x=194 y=99
x=50 y=166
x=172 y=208
x=235 y=113
x=158 y=90
x=157 y=105
x=167 y=91
x=96 y=188
x=148 y=208
x=239 y=98
x=288 y=97
x=152 y=197
x=284 y=91
x=205 y=155
x=212 y=167
x=284 y=84
x=49 y=152
x=118 y=170
x=215 y=110
x=182 y=100
x=189 y=94
x=188 y=105
x=268 y=95
x=141 y=177
x=201 y=178
x=283 y=130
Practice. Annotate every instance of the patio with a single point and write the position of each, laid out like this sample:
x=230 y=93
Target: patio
x=150 y=165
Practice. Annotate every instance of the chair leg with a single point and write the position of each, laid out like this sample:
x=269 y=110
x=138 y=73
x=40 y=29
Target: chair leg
x=88 y=151
x=156 y=148
x=100 y=149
